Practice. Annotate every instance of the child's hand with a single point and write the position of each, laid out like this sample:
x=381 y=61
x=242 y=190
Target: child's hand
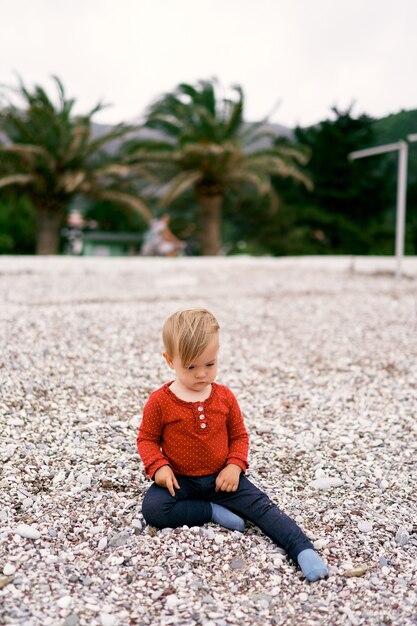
x=165 y=477
x=228 y=479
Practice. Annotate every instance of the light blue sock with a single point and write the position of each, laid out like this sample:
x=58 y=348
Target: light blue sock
x=227 y=519
x=312 y=565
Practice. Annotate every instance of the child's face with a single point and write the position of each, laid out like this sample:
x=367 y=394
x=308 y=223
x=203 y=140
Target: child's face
x=201 y=372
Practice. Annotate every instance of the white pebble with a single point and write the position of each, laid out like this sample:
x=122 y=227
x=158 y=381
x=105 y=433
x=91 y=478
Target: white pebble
x=102 y=543
x=24 y=530
x=402 y=537
x=365 y=527
x=326 y=482
x=64 y=602
x=58 y=478
x=208 y=533
x=84 y=479
x=9 y=569
x=107 y=620
x=172 y=601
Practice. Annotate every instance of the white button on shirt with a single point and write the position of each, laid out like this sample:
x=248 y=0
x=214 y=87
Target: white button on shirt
x=200 y=408
x=202 y=425
x=202 y=417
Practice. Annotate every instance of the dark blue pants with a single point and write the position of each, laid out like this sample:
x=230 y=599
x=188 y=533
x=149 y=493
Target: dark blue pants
x=191 y=507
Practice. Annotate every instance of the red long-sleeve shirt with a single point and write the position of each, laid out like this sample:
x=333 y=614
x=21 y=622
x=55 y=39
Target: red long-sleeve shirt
x=194 y=438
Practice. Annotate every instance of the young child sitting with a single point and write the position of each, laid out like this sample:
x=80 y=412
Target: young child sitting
x=194 y=445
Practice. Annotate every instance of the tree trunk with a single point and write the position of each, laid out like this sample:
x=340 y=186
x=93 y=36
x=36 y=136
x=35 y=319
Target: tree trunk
x=48 y=231
x=210 y=210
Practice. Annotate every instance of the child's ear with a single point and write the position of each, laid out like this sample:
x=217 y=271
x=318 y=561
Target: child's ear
x=168 y=359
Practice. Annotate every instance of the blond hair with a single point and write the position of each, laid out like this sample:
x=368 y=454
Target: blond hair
x=188 y=332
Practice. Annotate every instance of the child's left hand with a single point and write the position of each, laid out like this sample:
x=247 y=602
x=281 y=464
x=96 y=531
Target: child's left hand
x=228 y=479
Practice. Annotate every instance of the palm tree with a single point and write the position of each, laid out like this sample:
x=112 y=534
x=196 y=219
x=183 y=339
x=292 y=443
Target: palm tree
x=51 y=154
x=206 y=146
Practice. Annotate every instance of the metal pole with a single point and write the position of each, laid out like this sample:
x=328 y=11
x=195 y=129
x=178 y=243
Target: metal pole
x=389 y=147
x=402 y=148
x=401 y=200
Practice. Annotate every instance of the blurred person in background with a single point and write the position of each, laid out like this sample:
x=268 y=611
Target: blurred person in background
x=160 y=240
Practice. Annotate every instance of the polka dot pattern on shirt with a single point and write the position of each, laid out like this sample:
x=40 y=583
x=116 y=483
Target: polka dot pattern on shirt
x=194 y=438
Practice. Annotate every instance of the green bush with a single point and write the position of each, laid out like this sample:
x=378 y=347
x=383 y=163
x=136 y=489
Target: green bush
x=17 y=225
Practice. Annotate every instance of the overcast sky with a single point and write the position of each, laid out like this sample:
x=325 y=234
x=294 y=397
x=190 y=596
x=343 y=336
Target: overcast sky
x=309 y=55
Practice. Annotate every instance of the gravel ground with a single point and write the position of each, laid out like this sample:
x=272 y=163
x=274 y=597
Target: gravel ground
x=321 y=354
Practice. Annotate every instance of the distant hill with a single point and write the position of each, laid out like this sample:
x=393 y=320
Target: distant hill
x=388 y=129
x=396 y=126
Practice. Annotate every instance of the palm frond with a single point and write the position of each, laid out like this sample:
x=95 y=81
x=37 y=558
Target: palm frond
x=64 y=104
x=144 y=160
x=146 y=146
x=260 y=181
x=178 y=185
x=116 y=170
x=254 y=132
x=208 y=96
x=126 y=199
x=299 y=153
x=29 y=152
x=98 y=107
x=188 y=90
x=17 y=179
x=278 y=164
x=203 y=150
x=161 y=122
x=79 y=139
x=15 y=126
x=235 y=120
x=69 y=182
x=120 y=131
x=291 y=171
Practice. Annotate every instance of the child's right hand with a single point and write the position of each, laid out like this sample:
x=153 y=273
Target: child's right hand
x=165 y=477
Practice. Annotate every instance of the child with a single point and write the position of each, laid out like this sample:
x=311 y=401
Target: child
x=194 y=445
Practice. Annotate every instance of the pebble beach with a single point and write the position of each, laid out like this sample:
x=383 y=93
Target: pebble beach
x=321 y=353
